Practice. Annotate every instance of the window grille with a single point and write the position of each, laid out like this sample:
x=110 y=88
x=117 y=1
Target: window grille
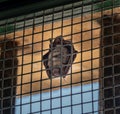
x=60 y=57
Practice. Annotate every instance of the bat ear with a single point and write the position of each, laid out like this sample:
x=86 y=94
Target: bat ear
x=58 y=40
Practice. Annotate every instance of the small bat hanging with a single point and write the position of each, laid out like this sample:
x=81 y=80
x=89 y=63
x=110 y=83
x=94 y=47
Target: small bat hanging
x=59 y=58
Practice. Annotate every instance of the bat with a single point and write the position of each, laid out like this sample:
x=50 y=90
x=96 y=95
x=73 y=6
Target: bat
x=59 y=58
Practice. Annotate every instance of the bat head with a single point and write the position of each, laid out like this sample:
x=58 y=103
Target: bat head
x=59 y=58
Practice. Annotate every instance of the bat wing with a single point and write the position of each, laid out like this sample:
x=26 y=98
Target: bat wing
x=71 y=59
x=72 y=55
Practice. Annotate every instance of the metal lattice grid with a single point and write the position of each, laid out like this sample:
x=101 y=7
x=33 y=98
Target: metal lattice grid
x=61 y=60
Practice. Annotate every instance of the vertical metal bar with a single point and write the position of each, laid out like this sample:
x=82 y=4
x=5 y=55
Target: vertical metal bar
x=62 y=28
x=32 y=63
x=71 y=75
x=51 y=80
x=101 y=66
x=81 y=66
x=22 y=68
x=14 y=79
x=42 y=44
x=92 y=49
